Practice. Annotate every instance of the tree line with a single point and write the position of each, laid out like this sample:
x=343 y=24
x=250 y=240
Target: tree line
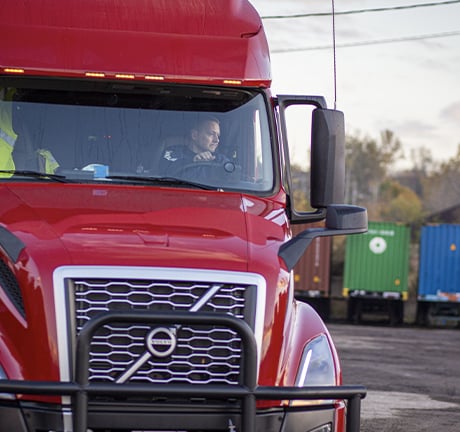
x=392 y=195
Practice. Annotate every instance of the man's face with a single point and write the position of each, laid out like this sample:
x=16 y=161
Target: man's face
x=206 y=138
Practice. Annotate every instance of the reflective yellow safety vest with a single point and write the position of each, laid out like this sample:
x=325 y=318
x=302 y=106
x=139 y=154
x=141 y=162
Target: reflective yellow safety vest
x=7 y=134
x=46 y=161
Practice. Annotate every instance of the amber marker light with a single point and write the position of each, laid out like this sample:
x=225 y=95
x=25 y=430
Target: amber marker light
x=124 y=76
x=233 y=82
x=95 y=74
x=13 y=70
x=155 y=77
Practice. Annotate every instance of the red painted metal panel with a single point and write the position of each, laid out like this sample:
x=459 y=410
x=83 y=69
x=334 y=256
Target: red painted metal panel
x=132 y=226
x=206 y=41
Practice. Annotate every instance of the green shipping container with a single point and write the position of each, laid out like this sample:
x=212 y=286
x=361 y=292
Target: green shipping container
x=377 y=262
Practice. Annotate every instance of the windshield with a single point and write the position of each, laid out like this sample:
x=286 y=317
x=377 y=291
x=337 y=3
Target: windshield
x=178 y=135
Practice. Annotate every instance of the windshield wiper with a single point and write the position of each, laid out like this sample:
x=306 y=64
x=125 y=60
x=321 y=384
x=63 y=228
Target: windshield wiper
x=36 y=174
x=161 y=180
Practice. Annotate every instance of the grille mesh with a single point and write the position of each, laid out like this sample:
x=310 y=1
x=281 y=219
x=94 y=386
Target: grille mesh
x=203 y=354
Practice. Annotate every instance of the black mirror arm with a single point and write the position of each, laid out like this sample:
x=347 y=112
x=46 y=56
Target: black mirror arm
x=340 y=220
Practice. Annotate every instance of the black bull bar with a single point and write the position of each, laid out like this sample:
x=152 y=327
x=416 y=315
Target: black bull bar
x=248 y=391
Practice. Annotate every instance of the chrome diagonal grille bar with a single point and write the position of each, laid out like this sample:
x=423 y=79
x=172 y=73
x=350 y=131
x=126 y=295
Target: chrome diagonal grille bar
x=196 y=307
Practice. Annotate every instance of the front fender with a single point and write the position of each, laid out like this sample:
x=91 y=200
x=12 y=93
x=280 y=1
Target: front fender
x=306 y=325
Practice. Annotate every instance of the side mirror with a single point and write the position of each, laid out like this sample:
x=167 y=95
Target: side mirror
x=327 y=179
x=327 y=158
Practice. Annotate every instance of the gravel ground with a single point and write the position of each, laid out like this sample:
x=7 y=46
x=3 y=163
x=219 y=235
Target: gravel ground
x=412 y=376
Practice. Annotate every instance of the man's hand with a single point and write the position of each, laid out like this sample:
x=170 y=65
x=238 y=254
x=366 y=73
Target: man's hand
x=203 y=156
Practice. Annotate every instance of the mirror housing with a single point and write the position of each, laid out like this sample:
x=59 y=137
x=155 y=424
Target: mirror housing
x=340 y=220
x=327 y=173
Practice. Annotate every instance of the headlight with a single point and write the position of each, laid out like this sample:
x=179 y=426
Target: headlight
x=317 y=365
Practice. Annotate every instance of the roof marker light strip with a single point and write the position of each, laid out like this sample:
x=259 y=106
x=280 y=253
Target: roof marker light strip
x=124 y=76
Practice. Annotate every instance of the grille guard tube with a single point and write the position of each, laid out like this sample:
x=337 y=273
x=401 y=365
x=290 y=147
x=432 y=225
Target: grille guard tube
x=247 y=391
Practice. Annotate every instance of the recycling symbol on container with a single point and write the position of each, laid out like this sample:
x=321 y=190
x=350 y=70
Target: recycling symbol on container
x=378 y=245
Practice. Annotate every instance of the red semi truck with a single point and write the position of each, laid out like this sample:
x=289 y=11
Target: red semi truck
x=133 y=298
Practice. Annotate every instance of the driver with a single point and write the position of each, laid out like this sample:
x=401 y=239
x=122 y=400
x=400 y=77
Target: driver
x=200 y=147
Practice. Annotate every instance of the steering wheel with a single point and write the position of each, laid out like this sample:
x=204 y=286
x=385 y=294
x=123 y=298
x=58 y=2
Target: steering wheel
x=208 y=170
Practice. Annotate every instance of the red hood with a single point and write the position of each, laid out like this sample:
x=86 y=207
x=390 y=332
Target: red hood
x=108 y=225
x=129 y=226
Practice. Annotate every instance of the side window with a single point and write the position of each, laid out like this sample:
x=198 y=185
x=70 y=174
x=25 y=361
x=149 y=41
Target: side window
x=298 y=121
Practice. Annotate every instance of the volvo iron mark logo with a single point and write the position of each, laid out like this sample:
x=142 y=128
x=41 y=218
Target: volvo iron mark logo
x=161 y=341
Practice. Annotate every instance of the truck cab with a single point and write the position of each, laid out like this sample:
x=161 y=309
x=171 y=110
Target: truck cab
x=134 y=297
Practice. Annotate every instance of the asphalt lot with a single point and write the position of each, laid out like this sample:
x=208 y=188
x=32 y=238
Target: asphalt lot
x=412 y=376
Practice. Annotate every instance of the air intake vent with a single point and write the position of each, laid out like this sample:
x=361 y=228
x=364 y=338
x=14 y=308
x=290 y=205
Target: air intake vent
x=11 y=287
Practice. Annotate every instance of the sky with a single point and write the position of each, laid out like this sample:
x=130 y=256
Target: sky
x=396 y=69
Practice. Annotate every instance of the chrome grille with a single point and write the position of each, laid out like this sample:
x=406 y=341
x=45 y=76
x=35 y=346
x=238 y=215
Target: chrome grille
x=203 y=354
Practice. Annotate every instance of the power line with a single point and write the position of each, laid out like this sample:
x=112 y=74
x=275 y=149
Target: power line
x=373 y=42
x=350 y=12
